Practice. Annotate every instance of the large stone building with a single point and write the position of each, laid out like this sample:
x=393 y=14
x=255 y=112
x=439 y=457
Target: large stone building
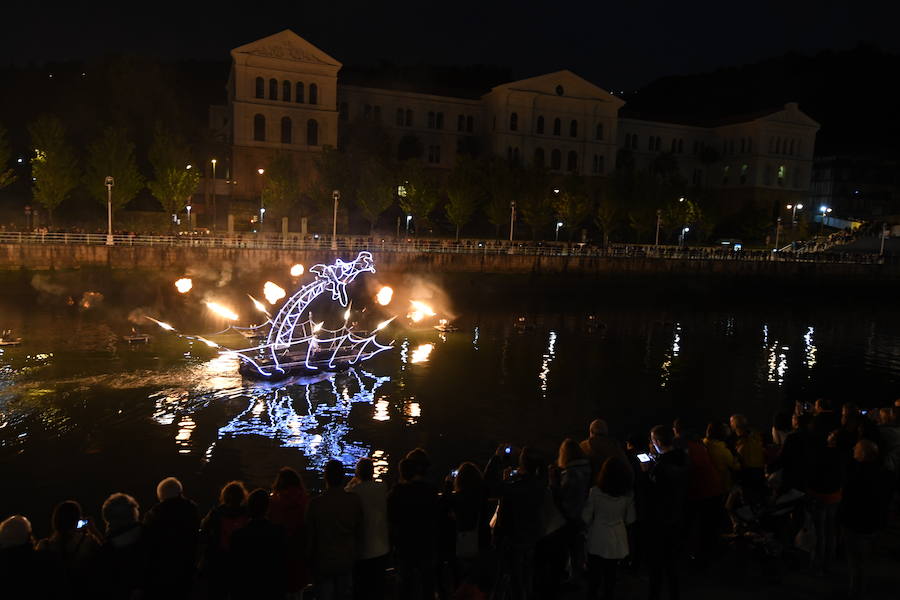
x=284 y=94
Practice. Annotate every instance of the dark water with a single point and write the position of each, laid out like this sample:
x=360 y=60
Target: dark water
x=83 y=414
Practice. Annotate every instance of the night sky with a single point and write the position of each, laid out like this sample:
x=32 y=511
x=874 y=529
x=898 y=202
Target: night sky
x=619 y=46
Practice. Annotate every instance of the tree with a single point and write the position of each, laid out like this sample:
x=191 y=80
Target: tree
x=113 y=155
x=281 y=187
x=501 y=192
x=376 y=189
x=609 y=208
x=173 y=184
x=537 y=205
x=420 y=194
x=332 y=173
x=464 y=192
x=572 y=204
x=7 y=176
x=53 y=168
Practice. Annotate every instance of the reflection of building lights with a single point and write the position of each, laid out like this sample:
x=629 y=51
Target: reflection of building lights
x=547 y=359
x=665 y=370
x=810 y=348
x=381 y=410
x=412 y=411
x=380 y=459
x=475 y=338
x=777 y=363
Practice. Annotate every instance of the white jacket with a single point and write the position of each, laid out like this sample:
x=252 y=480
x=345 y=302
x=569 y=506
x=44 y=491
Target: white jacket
x=606 y=517
x=375 y=529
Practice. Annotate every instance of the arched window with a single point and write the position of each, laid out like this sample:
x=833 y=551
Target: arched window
x=312 y=131
x=782 y=174
x=557 y=127
x=298 y=97
x=273 y=89
x=439 y=121
x=409 y=118
x=514 y=122
x=431 y=120
x=470 y=124
x=259 y=128
x=555 y=160
x=286 y=130
x=313 y=93
x=598 y=134
x=573 y=128
x=572 y=162
x=286 y=91
x=460 y=123
x=539 y=157
x=399 y=117
x=260 y=87
x=539 y=126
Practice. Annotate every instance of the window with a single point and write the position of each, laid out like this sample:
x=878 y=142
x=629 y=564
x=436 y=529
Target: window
x=573 y=128
x=260 y=88
x=572 y=162
x=286 y=130
x=651 y=143
x=658 y=143
x=298 y=97
x=539 y=126
x=286 y=91
x=470 y=124
x=696 y=147
x=680 y=146
x=367 y=112
x=460 y=123
x=439 y=121
x=743 y=145
x=731 y=147
x=273 y=89
x=376 y=113
x=777 y=145
x=767 y=178
x=628 y=140
x=796 y=178
x=697 y=177
x=601 y=165
x=409 y=118
x=431 y=119
x=259 y=128
x=596 y=163
x=434 y=154
x=539 y=157
x=312 y=130
x=725 y=175
x=555 y=160
x=514 y=122
x=634 y=142
x=598 y=133
x=782 y=173
x=674 y=146
x=744 y=169
x=313 y=93
x=343 y=111
x=557 y=127
x=792 y=148
x=399 y=117
x=749 y=145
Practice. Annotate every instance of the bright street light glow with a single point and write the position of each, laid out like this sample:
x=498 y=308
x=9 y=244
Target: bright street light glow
x=799 y=207
x=260 y=171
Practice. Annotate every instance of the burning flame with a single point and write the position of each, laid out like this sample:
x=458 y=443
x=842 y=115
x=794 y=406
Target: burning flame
x=420 y=354
x=165 y=326
x=419 y=311
x=208 y=342
x=297 y=270
x=273 y=292
x=347 y=315
x=384 y=295
x=259 y=305
x=384 y=324
x=222 y=311
x=184 y=285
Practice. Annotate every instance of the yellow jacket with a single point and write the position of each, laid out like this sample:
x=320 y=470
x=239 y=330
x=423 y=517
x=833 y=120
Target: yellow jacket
x=723 y=460
x=750 y=448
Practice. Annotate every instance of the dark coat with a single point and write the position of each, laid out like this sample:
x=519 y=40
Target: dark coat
x=866 y=498
x=172 y=530
x=413 y=512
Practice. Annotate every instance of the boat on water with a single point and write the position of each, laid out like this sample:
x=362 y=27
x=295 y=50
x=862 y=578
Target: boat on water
x=8 y=339
x=445 y=326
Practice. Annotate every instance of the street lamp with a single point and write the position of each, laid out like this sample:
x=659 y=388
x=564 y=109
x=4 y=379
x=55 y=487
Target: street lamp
x=213 y=161
x=109 y=183
x=824 y=210
x=684 y=231
x=777 y=233
x=558 y=225
x=262 y=211
x=190 y=225
x=512 y=218
x=794 y=208
x=658 y=219
x=408 y=219
x=336 y=195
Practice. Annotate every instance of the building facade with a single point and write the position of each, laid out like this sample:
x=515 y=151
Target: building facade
x=284 y=94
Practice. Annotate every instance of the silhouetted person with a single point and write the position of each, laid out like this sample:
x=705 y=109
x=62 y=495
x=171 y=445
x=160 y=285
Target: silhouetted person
x=748 y=446
x=666 y=485
x=123 y=556
x=570 y=480
x=470 y=514
x=71 y=552
x=825 y=420
x=412 y=506
x=216 y=530
x=825 y=489
x=368 y=573
x=21 y=570
x=287 y=507
x=334 y=526
x=258 y=553
x=705 y=498
x=599 y=446
x=171 y=530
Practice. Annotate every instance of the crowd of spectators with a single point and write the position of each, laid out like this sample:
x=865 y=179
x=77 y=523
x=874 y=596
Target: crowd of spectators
x=523 y=526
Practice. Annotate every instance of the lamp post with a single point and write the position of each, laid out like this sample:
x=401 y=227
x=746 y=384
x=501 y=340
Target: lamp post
x=408 y=219
x=109 y=183
x=777 y=233
x=336 y=195
x=214 y=198
x=658 y=219
x=794 y=208
x=190 y=225
x=262 y=211
x=684 y=231
x=558 y=225
x=512 y=218
x=824 y=210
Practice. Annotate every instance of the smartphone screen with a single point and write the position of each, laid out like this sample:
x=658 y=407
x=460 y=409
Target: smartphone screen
x=643 y=457
x=454 y=472
x=81 y=523
x=508 y=449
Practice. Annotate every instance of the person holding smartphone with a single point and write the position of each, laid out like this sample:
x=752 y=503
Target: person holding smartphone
x=72 y=550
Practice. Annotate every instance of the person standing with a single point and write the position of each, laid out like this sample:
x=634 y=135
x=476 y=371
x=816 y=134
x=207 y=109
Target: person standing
x=258 y=550
x=71 y=552
x=171 y=530
x=825 y=491
x=599 y=446
x=334 y=526
x=216 y=530
x=287 y=507
x=123 y=555
x=368 y=572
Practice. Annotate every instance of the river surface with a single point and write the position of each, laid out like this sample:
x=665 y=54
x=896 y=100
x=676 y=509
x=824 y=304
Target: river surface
x=83 y=414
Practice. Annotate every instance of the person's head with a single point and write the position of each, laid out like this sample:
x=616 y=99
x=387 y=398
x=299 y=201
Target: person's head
x=782 y=421
x=15 y=531
x=168 y=488
x=365 y=469
x=234 y=494
x=848 y=410
x=529 y=461
x=598 y=427
x=738 y=424
x=569 y=450
x=287 y=479
x=832 y=439
x=662 y=438
x=258 y=503
x=468 y=478
x=717 y=431
x=886 y=415
x=334 y=474
x=421 y=460
x=120 y=510
x=66 y=516
x=822 y=405
x=633 y=442
x=614 y=477
x=865 y=451
x=409 y=470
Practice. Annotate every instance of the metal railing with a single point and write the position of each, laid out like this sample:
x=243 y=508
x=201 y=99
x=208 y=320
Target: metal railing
x=441 y=246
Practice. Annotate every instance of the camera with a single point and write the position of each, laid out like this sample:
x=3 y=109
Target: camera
x=508 y=449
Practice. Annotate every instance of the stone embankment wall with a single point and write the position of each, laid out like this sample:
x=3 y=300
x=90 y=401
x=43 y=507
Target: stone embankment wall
x=48 y=256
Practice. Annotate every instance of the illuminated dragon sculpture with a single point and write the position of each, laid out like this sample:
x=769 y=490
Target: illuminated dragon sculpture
x=295 y=345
